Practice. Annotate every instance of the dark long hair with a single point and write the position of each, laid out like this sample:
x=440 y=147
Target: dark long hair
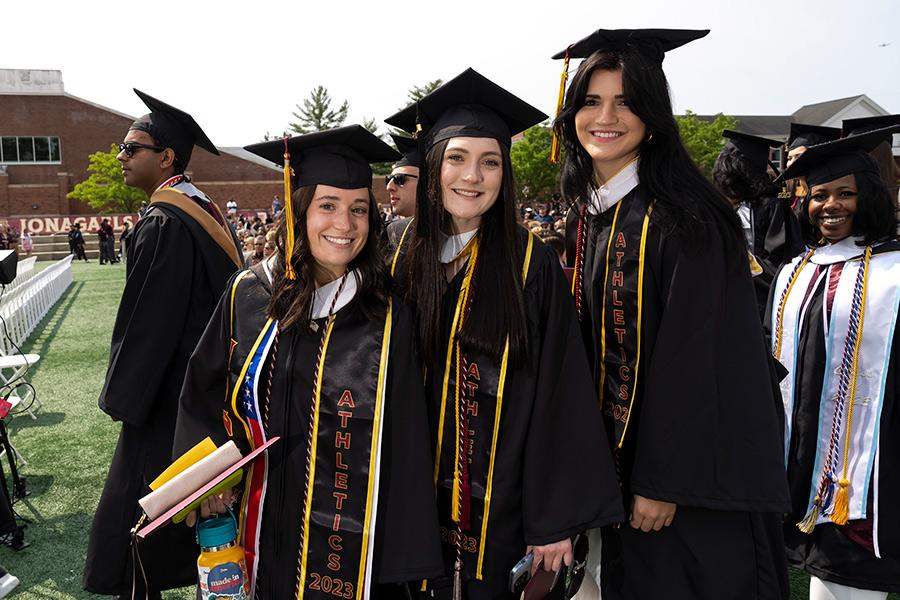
x=686 y=203
x=292 y=299
x=875 y=218
x=497 y=306
x=737 y=179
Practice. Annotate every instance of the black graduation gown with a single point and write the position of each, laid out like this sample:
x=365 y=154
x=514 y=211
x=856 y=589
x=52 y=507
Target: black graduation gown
x=776 y=240
x=176 y=273
x=830 y=552
x=704 y=429
x=554 y=475
x=406 y=543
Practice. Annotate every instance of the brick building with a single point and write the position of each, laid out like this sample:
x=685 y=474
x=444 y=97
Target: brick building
x=47 y=135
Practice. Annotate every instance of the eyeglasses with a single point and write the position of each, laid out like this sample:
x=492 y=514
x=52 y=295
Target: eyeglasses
x=398 y=178
x=129 y=147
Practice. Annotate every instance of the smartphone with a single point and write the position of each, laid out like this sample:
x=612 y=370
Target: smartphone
x=520 y=574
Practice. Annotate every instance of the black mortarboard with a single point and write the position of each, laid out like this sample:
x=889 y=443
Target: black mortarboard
x=754 y=148
x=832 y=160
x=469 y=105
x=653 y=43
x=809 y=135
x=172 y=128
x=409 y=148
x=337 y=157
x=867 y=124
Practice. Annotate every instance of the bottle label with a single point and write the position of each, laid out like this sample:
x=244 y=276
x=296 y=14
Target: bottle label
x=226 y=581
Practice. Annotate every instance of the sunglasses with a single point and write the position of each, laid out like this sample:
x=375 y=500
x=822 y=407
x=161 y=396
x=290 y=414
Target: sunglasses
x=129 y=148
x=398 y=178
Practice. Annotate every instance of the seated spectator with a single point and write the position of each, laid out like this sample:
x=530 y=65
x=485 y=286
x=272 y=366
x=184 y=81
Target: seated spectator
x=231 y=207
x=543 y=217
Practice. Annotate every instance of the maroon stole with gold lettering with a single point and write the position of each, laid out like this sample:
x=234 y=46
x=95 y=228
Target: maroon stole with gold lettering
x=620 y=322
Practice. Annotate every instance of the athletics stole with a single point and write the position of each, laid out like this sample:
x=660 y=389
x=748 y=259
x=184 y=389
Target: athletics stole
x=339 y=515
x=620 y=322
x=472 y=395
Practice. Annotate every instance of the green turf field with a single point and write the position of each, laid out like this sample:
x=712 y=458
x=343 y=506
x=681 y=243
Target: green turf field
x=69 y=446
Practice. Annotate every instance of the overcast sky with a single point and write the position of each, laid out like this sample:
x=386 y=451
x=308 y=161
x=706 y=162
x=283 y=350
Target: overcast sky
x=240 y=67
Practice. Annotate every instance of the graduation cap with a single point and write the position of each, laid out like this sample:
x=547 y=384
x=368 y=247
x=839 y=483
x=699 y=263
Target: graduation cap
x=832 y=160
x=866 y=124
x=409 y=148
x=172 y=128
x=336 y=157
x=651 y=43
x=469 y=105
x=803 y=134
x=754 y=148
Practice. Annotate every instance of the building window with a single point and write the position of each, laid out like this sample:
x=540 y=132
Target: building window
x=30 y=150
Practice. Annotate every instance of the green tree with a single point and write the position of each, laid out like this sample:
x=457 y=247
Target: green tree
x=316 y=114
x=536 y=178
x=703 y=139
x=417 y=92
x=105 y=188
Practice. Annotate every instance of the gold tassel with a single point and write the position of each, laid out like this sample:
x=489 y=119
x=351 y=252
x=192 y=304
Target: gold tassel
x=288 y=215
x=809 y=521
x=555 y=150
x=841 y=513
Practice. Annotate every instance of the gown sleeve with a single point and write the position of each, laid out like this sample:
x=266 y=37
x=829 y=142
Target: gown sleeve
x=569 y=483
x=151 y=314
x=408 y=523
x=202 y=398
x=707 y=433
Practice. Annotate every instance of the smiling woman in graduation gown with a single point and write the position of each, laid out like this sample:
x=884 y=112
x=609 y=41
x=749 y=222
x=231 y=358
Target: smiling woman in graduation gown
x=342 y=505
x=834 y=326
x=520 y=453
x=673 y=334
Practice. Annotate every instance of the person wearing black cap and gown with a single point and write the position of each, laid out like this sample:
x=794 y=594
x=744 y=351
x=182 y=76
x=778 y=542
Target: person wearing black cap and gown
x=669 y=318
x=310 y=345
x=401 y=183
x=801 y=137
x=521 y=460
x=883 y=152
x=179 y=260
x=833 y=318
x=741 y=174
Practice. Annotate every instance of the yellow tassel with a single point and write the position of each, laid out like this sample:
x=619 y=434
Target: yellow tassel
x=555 y=150
x=841 y=513
x=809 y=521
x=288 y=215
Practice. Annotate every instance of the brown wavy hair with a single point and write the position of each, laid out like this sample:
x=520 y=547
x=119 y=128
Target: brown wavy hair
x=292 y=299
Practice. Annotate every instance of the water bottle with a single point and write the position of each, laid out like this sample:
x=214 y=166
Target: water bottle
x=221 y=567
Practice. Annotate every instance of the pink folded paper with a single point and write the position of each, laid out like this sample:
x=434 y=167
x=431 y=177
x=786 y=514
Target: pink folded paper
x=162 y=519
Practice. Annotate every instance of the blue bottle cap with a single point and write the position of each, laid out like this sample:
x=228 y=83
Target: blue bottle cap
x=217 y=531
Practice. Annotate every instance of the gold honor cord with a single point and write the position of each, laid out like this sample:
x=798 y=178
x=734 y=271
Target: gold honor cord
x=376 y=438
x=314 y=436
x=500 y=387
x=640 y=306
x=612 y=234
x=841 y=513
x=779 y=316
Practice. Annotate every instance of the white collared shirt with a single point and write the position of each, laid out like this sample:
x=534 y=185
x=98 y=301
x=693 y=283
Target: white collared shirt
x=454 y=244
x=323 y=295
x=609 y=194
